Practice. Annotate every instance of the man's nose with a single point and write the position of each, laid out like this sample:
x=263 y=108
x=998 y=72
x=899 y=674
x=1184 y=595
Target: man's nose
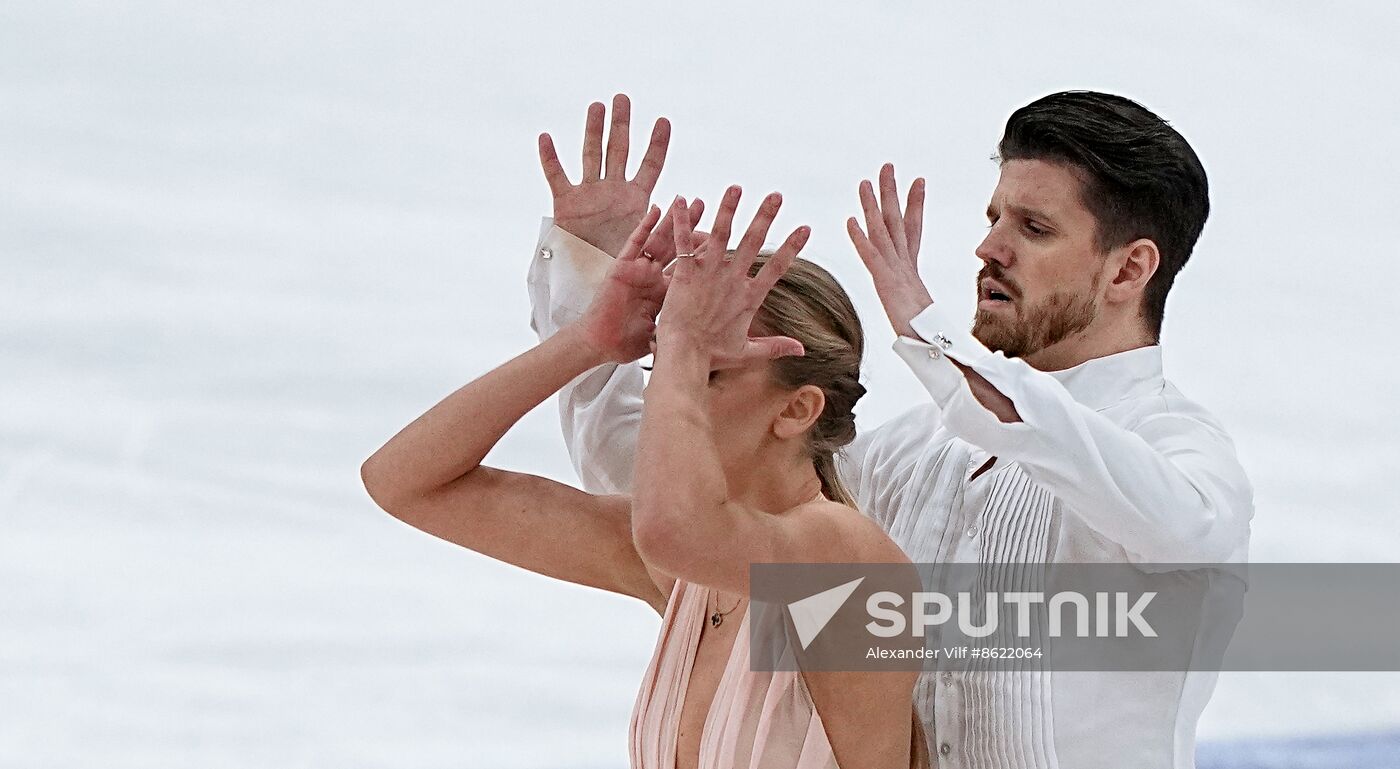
x=993 y=248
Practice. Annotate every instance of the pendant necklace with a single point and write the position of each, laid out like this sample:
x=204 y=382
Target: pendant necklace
x=718 y=616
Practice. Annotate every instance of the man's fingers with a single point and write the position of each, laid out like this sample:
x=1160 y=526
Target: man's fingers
x=889 y=206
x=874 y=220
x=593 y=142
x=914 y=217
x=864 y=248
x=619 y=137
x=655 y=157
x=871 y=209
x=553 y=170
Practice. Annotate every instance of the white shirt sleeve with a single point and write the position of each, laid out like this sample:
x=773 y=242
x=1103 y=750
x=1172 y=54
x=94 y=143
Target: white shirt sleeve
x=600 y=411
x=1168 y=490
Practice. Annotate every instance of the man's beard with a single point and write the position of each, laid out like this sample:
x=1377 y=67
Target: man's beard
x=1034 y=328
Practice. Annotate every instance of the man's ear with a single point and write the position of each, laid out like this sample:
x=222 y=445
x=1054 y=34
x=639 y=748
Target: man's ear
x=803 y=409
x=1130 y=268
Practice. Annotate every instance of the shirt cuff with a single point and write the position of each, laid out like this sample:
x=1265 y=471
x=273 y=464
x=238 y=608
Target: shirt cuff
x=930 y=356
x=564 y=275
x=932 y=363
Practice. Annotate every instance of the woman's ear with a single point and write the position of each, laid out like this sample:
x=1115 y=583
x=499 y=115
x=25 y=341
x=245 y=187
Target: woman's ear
x=803 y=408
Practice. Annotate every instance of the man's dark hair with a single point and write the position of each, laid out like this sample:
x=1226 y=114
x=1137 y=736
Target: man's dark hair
x=1140 y=177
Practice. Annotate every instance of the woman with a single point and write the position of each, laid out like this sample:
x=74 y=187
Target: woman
x=734 y=467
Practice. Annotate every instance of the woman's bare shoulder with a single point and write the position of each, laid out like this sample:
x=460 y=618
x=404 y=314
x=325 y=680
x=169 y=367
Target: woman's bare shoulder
x=866 y=541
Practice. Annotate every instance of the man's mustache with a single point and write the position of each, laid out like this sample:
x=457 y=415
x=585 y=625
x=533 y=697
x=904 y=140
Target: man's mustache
x=995 y=272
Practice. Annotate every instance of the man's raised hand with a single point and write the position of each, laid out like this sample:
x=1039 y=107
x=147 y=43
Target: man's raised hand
x=605 y=206
x=891 y=249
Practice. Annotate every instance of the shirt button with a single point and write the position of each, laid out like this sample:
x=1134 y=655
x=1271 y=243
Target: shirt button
x=945 y=749
x=546 y=253
x=972 y=531
x=934 y=353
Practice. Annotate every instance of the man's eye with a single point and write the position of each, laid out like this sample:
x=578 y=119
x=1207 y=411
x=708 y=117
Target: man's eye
x=1035 y=229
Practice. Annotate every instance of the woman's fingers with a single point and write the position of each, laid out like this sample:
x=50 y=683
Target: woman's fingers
x=724 y=220
x=697 y=209
x=661 y=246
x=720 y=297
x=779 y=263
x=771 y=347
x=619 y=137
x=757 y=232
x=637 y=240
x=553 y=170
x=682 y=237
x=593 y=142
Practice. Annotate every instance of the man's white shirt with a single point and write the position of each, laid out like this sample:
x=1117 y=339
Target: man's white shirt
x=1110 y=464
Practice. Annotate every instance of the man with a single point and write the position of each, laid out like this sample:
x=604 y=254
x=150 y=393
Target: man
x=1052 y=436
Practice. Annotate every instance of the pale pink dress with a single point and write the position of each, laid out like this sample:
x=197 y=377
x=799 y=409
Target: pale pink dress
x=757 y=720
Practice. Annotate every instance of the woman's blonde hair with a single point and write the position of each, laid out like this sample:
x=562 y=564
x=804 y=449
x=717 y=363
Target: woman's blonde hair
x=807 y=304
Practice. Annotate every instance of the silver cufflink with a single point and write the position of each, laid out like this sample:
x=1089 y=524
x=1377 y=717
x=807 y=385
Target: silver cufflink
x=934 y=353
x=546 y=253
x=942 y=341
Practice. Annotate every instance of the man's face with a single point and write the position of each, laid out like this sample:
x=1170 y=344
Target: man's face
x=1040 y=281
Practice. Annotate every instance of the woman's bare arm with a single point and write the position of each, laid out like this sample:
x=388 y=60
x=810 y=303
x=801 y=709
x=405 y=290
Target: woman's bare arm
x=684 y=520
x=430 y=475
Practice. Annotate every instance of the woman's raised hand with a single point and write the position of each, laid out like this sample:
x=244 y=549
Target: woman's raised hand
x=620 y=321
x=712 y=299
